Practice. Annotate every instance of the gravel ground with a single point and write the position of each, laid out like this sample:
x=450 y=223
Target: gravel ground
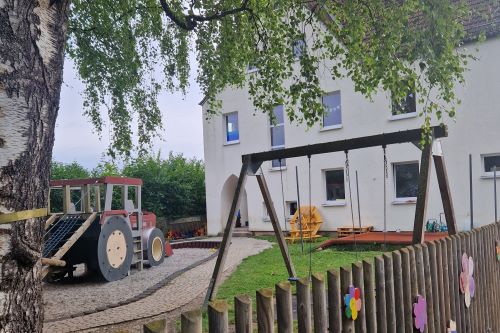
x=85 y=294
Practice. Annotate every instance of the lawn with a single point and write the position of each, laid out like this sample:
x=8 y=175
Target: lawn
x=267 y=268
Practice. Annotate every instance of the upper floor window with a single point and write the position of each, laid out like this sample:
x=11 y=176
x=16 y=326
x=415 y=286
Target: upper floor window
x=407 y=106
x=298 y=48
x=406 y=180
x=335 y=185
x=232 y=131
x=489 y=163
x=333 y=111
x=277 y=126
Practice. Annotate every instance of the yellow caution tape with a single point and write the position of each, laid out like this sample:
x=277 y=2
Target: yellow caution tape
x=23 y=215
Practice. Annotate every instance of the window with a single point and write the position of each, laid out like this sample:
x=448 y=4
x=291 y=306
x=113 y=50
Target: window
x=335 y=185
x=489 y=162
x=298 y=48
x=406 y=106
x=277 y=126
x=333 y=111
x=406 y=180
x=232 y=132
x=251 y=68
x=291 y=207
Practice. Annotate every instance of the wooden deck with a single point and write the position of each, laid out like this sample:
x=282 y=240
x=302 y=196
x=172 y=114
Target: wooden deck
x=392 y=237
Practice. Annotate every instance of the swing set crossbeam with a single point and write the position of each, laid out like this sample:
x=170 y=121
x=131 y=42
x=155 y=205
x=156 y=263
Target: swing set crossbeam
x=413 y=135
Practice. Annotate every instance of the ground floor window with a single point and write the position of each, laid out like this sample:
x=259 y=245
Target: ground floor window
x=335 y=185
x=406 y=180
x=489 y=163
x=291 y=207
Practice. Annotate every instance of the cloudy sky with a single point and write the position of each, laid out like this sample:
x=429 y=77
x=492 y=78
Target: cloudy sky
x=76 y=141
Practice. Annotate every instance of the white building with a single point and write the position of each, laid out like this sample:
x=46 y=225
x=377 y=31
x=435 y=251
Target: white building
x=242 y=130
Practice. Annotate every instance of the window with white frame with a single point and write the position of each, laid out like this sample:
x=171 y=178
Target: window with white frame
x=333 y=112
x=277 y=126
x=291 y=207
x=232 y=129
x=334 y=185
x=490 y=161
x=406 y=180
x=406 y=106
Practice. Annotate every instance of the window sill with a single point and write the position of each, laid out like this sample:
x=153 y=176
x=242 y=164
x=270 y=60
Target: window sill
x=278 y=168
x=334 y=204
x=490 y=176
x=403 y=116
x=407 y=201
x=332 y=127
x=230 y=143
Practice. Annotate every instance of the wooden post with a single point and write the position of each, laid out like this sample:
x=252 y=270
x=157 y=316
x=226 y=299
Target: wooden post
x=97 y=198
x=157 y=326
x=455 y=278
x=399 y=312
x=243 y=314
x=381 y=294
x=66 y=198
x=440 y=325
x=345 y=283
x=228 y=235
x=276 y=226
x=423 y=184
x=265 y=311
x=284 y=307
x=217 y=317
x=87 y=207
x=429 y=296
x=334 y=302
x=369 y=297
x=444 y=189
x=319 y=303
x=303 y=306
x=407 y=293
x=358 y=281
x=191 y=322
x=389 y=294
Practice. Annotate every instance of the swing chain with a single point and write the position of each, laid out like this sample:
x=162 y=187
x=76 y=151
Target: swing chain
x=347 y=164
x=385 y=162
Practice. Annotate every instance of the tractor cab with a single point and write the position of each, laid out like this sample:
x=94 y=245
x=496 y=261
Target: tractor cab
x=99 y=222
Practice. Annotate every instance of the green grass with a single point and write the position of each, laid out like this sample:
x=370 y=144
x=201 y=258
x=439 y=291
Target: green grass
x=267 y=268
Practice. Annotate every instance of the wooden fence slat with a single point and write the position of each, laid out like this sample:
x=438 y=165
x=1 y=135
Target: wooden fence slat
x=479 y=318
x=284 y=309
x=468 y=327
x=319 y=303
x=419 y=260
x=334 y=302
x=429 y=296
x=440 y=282
x=399 y=312
x=265 y=310
x=217 y=317
x=449 y=277
x=454 y=281
x=463 y=321
x=494 y=279
x=191 y=322
x=439 y=325
x=358 y=281
x=243 y=314
x=407 y=295
x=369 y=297
x=390 y=306
x=304 y=306
x=446 y=279
x=345 y=283
x=381 y=294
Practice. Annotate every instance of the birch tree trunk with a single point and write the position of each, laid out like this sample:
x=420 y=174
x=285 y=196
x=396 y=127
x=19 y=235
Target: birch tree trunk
x=32 y=38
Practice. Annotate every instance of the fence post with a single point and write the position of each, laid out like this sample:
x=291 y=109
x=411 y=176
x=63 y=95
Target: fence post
x=439 y=324
x=265 y=311
x=358 y=281
x=429 y=295
x=217 y=317
x=284 y=307
x=243 y=314
x=345 y=283
x=398 y=291
x=369 y=297
x=191 y=322
x=319 y=303
x=334 y=302
x=380 y=292
x=389 y=293
x=407 y=296
x=303 y=306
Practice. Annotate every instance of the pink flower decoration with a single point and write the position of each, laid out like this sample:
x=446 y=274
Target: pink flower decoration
x=352 y=303
x=420 y=312
x=467 y=283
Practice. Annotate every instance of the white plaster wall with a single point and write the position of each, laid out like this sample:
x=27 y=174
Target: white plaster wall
x=476 y=131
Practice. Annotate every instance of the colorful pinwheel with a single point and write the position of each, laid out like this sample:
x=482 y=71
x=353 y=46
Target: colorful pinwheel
x=352 y=303
x=420 y=312
x=467 y=284
x=497 y=247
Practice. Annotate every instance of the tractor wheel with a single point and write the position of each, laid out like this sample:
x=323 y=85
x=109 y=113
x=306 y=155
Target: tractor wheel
x=114 y=249
x=156 y=247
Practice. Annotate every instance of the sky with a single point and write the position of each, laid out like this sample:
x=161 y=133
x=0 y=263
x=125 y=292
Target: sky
x=75 y=139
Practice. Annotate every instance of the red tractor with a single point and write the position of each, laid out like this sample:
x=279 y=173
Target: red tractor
x=99 y=222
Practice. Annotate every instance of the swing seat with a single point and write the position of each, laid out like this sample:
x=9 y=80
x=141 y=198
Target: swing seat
x=311 y=222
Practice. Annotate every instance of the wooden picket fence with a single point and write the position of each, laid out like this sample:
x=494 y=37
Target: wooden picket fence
x=389 y=288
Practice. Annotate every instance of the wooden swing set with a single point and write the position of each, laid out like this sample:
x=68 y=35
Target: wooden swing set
x=251 y=164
